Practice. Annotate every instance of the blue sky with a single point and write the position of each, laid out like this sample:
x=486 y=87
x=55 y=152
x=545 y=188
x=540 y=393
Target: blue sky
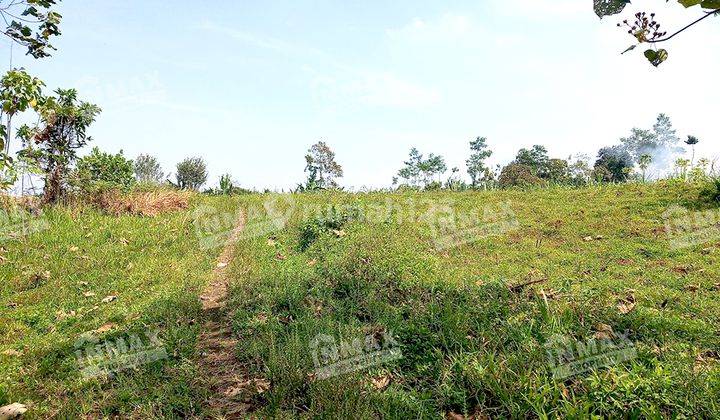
x=249 y=86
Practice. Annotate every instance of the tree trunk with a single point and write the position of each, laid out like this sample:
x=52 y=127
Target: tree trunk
x=53 y=185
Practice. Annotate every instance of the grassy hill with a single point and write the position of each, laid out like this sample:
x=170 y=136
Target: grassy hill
x=552 y=302
x=475 y=323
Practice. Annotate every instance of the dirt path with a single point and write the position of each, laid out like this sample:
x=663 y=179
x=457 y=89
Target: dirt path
x=225 y=375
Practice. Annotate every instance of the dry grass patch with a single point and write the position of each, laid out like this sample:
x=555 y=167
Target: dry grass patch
x=145 y=203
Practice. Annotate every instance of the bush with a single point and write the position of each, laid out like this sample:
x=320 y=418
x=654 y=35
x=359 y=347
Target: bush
x=335 y=219
x=711 y=192
x=148 y=170
x=102 y=171
x=517 y=175
x=191 y=174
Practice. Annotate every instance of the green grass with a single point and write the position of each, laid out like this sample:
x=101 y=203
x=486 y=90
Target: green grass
x=472 y=344
x=156 y=268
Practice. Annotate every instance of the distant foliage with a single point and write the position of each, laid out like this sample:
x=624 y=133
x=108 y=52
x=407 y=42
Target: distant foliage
x=518 y=175
x=535 y=158
x=191 y=174
x=614 y=164
x=476 y=168
x=104 y=170
x=323 y=171
x=711 y=192
x=661 y=143
x=148 y=170
x=420 y=171
x=556 y=171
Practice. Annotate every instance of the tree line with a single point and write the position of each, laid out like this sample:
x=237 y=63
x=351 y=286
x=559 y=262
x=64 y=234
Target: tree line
x=643 y=155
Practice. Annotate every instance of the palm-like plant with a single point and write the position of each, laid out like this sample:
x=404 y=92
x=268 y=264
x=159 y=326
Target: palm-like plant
x=692 y=141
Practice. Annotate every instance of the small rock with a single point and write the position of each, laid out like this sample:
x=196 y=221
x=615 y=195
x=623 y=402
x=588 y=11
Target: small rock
x=109 y=299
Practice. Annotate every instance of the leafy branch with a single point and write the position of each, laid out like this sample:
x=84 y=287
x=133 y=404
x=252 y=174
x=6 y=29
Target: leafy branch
x=646 y=29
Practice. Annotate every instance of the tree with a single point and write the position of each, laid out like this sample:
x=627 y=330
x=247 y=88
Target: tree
x=536 y=159
x=31 y=23
x=476 y=163
x=518 y=175
x=191 y=174
x=411 y=171
x=433 y=166
x=692 y=141
x=18 y=93
x=661 y=143
x=419 y=171
x=104 y=169
x=644 y=161
x=557 y=171
x=616 y=162
x=580 y=170
x=645 y=28
x=148 y=170
x=321 y=166
x=64 y=121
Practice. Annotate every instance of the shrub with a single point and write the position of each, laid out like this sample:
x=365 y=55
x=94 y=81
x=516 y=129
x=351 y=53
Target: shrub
x=148 y=170
x=711 y=192
x=335 y=219
x=615 y=161
x=517 y=175
x=191 y=174
x=100 y=170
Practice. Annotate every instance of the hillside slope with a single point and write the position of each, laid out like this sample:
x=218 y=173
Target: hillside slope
x=556 y=302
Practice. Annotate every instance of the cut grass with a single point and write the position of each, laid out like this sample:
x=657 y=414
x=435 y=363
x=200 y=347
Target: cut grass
x=471 y=342
x=53 y=282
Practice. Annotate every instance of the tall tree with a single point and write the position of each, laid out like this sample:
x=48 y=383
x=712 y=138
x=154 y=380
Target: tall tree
x=420 y=171
x=321 y=166
x=411 y=171
x=64 y=121
x=661 y=143
x=536 y=159
x=476 y=163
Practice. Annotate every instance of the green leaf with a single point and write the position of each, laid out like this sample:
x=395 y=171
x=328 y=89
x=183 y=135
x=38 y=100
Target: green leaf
x=609 y=7
x=689 y=3
x=711 y=4
x=656 y=57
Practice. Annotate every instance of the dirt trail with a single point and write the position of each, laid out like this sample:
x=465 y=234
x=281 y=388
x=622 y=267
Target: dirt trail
x=226 y=376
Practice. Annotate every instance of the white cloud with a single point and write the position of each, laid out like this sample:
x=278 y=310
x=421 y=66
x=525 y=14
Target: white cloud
x=387 y=90
x=448 y=27
x=542 y=9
